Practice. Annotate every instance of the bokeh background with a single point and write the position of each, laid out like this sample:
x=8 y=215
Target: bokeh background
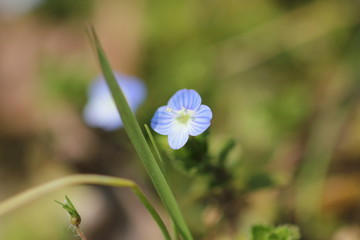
x=282 y=78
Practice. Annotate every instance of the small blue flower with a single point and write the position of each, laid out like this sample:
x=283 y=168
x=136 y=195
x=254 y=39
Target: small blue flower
x=183 y=116
x=101 y=111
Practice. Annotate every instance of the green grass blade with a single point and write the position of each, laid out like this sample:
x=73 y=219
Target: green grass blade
x=137 y=138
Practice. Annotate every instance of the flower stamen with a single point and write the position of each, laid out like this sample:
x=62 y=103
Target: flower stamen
x=183 y=118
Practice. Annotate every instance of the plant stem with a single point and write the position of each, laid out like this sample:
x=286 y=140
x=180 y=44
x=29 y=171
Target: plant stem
x=161 y=161
x=29 y=195
x=80 y=233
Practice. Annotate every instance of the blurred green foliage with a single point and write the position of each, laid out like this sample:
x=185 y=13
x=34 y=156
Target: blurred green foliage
x=282 y=79
x=65 y=81
x=64 y=10
x=264 y=232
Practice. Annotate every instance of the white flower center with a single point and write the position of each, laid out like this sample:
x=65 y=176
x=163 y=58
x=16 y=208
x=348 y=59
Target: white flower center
x=183 y=115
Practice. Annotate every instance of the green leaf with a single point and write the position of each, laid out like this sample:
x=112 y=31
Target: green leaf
x=284 y=232
x=229 y=145
x=260 y=232
x=287 y=232
x=137 y=138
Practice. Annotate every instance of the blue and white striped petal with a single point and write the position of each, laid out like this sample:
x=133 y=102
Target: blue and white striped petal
x=185 y=98
x=178 y=136
x=200 y=120
x=163 y=121
x=184 y=116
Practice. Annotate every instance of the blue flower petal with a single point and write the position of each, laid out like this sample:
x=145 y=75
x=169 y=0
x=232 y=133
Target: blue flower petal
x=134 y=90
x=178 y=137
x=100 y=111
x=98 y=88
x=187 y=98
x=183 y=117
x=200 y=120
x=163 y=121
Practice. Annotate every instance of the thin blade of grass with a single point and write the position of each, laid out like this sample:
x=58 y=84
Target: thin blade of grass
x=137 y=138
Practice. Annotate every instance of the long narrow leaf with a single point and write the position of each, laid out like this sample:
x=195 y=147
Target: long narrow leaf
x=137 y=138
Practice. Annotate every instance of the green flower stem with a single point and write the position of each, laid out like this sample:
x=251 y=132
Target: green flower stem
x=161 y=161
x=79 y=179
x=138 y=140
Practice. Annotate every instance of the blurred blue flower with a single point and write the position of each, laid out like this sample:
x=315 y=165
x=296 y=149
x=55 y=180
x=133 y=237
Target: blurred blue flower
x=101 y=111
x=183 y=116
x=15 y=8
